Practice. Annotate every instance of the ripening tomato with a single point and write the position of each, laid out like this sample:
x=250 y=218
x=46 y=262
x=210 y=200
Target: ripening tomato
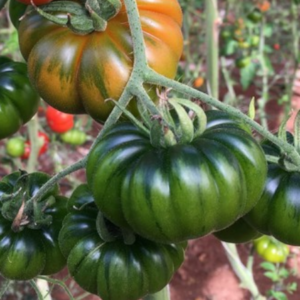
x=82 y=71
x=43 y=142
x=58 y=121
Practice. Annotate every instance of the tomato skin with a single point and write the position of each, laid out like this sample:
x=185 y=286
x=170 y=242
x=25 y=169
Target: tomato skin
x=74 y=137
x=277 y=213
x=255 y=16
x=15 y=147
x=32 y=251
x=58 y=121
x=18 y=100
x=237 y=233
x=180 y=192
x=113 y=270
x=98 y=67
x=271 y=250
x=36 y=2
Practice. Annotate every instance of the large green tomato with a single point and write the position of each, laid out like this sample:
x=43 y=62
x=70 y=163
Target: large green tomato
x=113 y=270
x=18 y=100
x=179 y=192
x=278 y=211
x=30 y=250
x=81 y=71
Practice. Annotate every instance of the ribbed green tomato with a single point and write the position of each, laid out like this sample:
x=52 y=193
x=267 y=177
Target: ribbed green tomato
x=18 y=100
x=179 y=192
x=277 y=213
x=82 y=71
x=31 y=250
x=113 y=270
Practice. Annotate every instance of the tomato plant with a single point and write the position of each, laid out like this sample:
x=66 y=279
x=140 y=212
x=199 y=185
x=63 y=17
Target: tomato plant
x=28 y=249
x=15 y=147
x=43 y=143
x=112 y=269
x=18 y=100
x=74 y=137
x=271 y=250
x=178 y=192
x=100 y=63
x=58 y=121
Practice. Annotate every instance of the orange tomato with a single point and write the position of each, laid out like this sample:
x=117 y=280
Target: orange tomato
x=198 y=82
x=264 y=6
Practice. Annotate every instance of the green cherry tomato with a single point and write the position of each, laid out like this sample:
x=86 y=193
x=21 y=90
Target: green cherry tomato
x=243 y=62
x=28 y=250
x=112 y=269
x=18 y=100
x=271 y=249
x=254 y=40
x=179 y=192
x=74 y=137
x=15 y=147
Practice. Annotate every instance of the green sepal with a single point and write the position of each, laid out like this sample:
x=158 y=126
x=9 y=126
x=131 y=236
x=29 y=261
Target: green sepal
x=198 y=117
x=185 y=129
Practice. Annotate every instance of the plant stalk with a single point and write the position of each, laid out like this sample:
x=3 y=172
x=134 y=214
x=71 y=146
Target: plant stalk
x=244 y=274
x=212 y=47
x=164 y=294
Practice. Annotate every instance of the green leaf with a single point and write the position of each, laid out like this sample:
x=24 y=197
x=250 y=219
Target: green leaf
x=278 y=295
x=283 y=273
x=251 y=109
x=292 y=287
x=268 y=64
x=268 y=266
x=272 y=275
x=247 y=75
x=229 y=47
x=268 y=30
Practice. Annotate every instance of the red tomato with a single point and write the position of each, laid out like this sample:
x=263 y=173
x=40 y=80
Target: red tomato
x=43 y=141
x=36 y=2
x=276 y=46
x=58 y=121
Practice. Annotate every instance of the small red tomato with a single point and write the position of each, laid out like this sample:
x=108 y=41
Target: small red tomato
x=58 y=121
x=36 y=2
x=43 y=142
x=276 y=46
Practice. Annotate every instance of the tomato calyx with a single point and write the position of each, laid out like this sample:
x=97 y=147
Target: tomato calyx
x=81 y=18
x=17 y=207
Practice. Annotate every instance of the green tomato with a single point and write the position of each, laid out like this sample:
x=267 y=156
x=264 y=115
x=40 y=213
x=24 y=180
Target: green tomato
x=74 y=137
x=18 y=100
x=30 y=250
x=254 y=40
x=255 y=16
x=243 y=62
x=278 y=211
x=179 y=192
x=15 y=147
x=113 y=270
x=271 y=250
x=239 y=232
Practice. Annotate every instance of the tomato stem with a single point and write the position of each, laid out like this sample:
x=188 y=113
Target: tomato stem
x=164 y=294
